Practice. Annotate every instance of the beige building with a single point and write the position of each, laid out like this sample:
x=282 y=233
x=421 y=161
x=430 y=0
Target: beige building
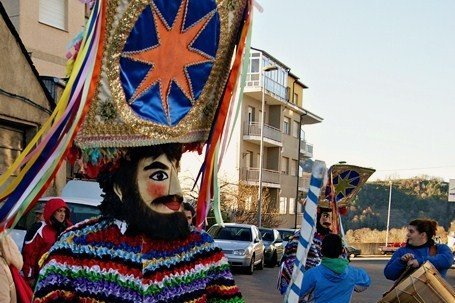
x=284 y=144
x=25 y=104
x=46 y=27
x=34 y=36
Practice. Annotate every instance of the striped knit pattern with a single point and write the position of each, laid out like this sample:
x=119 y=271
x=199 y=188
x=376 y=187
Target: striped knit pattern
x=95 y=262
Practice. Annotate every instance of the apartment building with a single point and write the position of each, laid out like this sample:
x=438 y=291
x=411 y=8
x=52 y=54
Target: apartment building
x=271 y=85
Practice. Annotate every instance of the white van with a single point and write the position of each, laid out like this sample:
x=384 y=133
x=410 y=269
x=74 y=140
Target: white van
x=82 y=198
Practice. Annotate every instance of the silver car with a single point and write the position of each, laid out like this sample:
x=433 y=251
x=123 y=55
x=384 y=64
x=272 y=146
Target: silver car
x=241 y=243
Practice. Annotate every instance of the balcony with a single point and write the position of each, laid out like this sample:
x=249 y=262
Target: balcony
x=306 y=149
x=270 y=178
x=252 y=133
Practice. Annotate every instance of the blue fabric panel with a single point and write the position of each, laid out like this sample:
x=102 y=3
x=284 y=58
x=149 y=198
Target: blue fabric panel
x=168 y=9
x=179 y=105
x=143 y=35
x=198 y=9
x=149 y=106
x=131 y=75
x=199 y=74
x=209 y=38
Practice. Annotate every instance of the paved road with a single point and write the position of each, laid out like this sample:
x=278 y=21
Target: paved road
x=261 y=286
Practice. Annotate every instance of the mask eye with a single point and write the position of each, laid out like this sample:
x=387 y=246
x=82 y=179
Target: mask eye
x=159 y=176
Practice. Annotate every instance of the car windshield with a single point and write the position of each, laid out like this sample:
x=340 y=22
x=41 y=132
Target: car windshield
x=230 y=233
x=78 y=212
x=267 y=235
x=285 y=234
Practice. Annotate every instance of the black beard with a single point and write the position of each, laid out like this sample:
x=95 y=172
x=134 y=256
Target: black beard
x=322 y=229
x=142 y=219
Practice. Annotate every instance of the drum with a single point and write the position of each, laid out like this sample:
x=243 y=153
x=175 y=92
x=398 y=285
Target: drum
x=424 y=285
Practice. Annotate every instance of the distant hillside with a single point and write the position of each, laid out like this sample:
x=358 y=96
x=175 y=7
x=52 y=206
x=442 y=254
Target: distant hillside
x=411 y=198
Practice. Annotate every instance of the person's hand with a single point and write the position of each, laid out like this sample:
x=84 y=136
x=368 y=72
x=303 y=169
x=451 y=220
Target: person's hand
x=413 y=263
x=407 y=257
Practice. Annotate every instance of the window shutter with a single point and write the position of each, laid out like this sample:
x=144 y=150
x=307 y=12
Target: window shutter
x=53 y=13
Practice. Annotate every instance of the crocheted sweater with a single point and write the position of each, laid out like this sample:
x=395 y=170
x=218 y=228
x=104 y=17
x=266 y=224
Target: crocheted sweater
x=95 y=262
x=314 y=257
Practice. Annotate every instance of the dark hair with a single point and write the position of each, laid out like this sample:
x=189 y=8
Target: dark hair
x=427 y=226
x=188 y=207
x=332 y=246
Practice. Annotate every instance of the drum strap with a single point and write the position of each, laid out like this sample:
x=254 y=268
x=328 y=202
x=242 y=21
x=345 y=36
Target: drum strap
x=409 y=270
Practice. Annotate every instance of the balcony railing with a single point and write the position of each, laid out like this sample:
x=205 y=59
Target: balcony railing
x=252 y=175
x=254 y=129
x=272 y=87
x=306 y=149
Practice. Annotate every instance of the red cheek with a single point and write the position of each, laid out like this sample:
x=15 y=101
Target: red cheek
x=156 y=190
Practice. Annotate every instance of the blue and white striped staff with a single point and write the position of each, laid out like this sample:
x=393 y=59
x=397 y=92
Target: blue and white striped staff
x=306 y=232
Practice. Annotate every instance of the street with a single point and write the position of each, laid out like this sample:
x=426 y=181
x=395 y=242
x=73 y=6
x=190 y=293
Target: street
x=261 y=286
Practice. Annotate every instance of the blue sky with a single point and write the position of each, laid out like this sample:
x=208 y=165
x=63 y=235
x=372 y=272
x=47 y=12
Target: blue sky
x=380 y=73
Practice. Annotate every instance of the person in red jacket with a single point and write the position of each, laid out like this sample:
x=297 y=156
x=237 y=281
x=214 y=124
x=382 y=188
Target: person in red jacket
x=56 y=220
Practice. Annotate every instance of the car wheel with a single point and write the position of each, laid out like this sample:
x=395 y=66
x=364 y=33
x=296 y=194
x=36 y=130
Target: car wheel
x=250 y=269
x=261 y=265
x=274 y=260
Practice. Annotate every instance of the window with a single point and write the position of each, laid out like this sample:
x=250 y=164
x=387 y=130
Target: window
x=250 y=114
x=296 y=98
x=248 y=158
x=54 y=13
x=295 y=128
x=285 y=165
x=292 y=206
x=294 y=168
x=283 y=202
x=286 y=126
x=12 y=142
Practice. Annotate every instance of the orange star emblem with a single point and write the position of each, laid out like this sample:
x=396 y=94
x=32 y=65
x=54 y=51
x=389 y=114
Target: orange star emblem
x=171 y=57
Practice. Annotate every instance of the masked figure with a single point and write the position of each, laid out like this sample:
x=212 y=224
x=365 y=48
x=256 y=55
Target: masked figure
x=158 y=80
x=324 y=221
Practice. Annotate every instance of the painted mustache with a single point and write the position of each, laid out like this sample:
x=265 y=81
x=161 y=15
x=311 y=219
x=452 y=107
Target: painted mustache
x=172 y=202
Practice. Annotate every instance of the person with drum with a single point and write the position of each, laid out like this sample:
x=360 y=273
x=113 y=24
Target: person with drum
x=420 y=247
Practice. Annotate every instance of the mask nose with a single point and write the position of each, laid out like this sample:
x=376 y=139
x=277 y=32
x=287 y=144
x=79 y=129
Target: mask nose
x=174 y=184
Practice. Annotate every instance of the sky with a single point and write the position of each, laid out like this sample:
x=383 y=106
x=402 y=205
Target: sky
x=380 y=73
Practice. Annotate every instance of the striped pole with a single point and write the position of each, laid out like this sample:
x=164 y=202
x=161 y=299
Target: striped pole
x=307 y=229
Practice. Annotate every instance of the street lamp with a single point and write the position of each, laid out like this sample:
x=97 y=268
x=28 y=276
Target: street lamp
x=388 y=214
x=264 y=70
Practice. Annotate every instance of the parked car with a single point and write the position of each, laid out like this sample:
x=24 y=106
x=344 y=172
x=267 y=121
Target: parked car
x=352 y=251
x=241 y=243
x=285 y=233
x=82 y=198
x=391 y=247
x=273 y=243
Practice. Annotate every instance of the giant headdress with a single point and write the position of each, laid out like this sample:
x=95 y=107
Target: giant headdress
x=148 y=72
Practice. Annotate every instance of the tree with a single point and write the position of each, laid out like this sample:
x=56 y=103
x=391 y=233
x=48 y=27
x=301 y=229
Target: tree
x=239 y=204
x=247 y=207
